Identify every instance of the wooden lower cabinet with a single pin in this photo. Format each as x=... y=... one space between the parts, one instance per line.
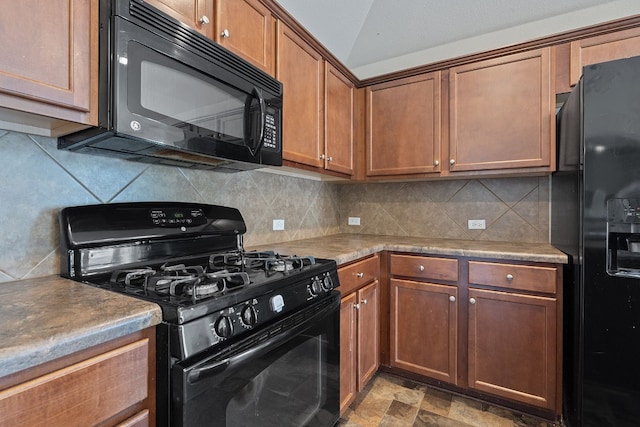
x=109 y=385
x=368 y=333
x=424 y=329
x=359 y=341
x=491 y=328
x=348 y=350
x=359 y=326
x=512 y=346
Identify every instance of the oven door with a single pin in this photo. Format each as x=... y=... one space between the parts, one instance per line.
x=287 y=374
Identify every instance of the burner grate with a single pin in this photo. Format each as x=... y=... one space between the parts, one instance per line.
x=181 y=281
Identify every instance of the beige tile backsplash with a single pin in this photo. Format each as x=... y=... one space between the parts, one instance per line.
x=36 y=180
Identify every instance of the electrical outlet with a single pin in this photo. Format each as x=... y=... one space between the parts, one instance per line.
x=278 y=224
x=354 y=220
x=477 y=224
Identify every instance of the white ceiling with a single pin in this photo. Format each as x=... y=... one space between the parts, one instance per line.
x=374 y=37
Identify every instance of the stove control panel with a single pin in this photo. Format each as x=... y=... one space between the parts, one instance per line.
x=240 y=318
x=177 y=217
x=320 y=284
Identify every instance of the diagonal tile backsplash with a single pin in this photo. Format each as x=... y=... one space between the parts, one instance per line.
x=36 y=180
x=514 y=209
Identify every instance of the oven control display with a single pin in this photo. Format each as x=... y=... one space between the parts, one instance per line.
x=177 y=217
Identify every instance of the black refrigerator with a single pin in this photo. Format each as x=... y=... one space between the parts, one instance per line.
x=595 y=219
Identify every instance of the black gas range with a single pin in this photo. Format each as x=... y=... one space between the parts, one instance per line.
x=220 y=303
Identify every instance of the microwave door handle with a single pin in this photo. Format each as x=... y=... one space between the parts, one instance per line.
x=255 y=94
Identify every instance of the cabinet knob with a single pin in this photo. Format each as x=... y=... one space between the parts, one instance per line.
x=472 y=300
x=509 y=277
x=360 y=275
x=225 y=34
x=452 y=162
x=322 y=156
x=330 y=158
x=204 y=20
x=436 y=163
x=421 y=268
x=452 y=298
x=356 y=306
x=364 y=301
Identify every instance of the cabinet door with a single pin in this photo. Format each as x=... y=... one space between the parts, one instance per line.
x=300 y=69
x=607 y=47
x=424 y=329
x=339 y=122
x=512 y=346
x=368 y=333
x=196 y=14
x=403 y=126
x=246 y=28
x=348 y=331
x=502 y=113
x=49 y=52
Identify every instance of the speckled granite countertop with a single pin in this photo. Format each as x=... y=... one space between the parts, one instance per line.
x=46 y=318
x=345 y=248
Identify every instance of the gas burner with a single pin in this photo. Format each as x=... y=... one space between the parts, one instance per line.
x=288 y=263
x=241 y=259
x=132 y=277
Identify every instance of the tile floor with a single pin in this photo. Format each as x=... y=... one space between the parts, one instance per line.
x=391 y=401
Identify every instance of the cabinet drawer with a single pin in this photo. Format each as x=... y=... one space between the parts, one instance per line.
x=512 y=276
x=357 y=274
x=431 y=268
x=86 y=393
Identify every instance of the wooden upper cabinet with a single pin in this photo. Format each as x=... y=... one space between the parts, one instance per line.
x=246 y=27
x=338 y=122
x=49 y=52
x=196 y=14
x=300 y=68
x=607 y=47
x=501 y=113
x=403 y=126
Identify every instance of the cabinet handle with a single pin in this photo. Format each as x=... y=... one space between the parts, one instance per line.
x=452 y=298
x=356 y=306
x=436 y=163
x=330 y=158
x=472 y=300
x=364 y=301
x=225 y=34
x=421 y=268
x=360 y=275
x=204 y=20
x=509 y=277
x=452 y=162
x=322 y=156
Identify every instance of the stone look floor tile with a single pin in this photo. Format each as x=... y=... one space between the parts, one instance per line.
x=390 y=401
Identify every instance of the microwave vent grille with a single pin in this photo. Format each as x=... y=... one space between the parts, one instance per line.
x=172 y=29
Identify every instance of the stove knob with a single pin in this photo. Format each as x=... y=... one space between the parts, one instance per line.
x=327 y=283
x=224 y=327
x=249 y=316
x=316 y=287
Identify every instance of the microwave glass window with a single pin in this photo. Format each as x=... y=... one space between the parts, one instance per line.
x=186 y=100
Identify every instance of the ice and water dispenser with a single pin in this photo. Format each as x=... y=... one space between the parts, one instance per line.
x=623 y=237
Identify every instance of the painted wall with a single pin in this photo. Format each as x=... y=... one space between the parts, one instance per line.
x=36 y=180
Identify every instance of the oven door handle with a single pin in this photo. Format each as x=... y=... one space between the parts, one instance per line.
x=200 y=373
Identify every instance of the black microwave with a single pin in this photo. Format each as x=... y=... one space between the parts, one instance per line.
x=169 y=95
